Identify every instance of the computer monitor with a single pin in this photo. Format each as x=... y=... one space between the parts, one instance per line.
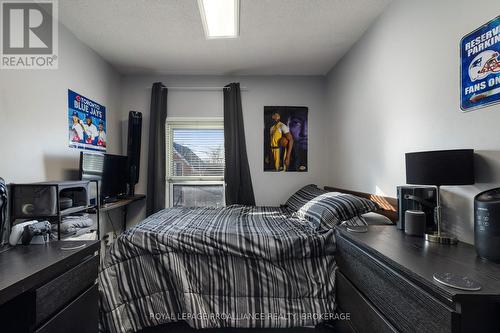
x=114 y=177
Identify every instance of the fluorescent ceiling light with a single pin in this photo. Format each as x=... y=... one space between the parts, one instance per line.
x=220 y=18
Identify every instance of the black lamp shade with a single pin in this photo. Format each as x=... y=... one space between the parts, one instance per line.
x=440 y=167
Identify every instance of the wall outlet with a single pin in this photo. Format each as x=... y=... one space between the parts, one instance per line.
x=109 y=238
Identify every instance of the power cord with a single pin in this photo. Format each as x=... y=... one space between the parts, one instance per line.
x=112 y=224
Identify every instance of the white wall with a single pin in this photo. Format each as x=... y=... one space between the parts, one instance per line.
x=34 y=115
x=269 y=188
x=34 y=108
x=397 y=90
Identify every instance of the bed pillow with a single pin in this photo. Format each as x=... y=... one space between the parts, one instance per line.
x=329 y=209
x=303 y=196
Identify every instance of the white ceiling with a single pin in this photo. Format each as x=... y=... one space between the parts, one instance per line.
x=277 y=37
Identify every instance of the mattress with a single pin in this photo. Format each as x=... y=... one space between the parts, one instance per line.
x=236 y=266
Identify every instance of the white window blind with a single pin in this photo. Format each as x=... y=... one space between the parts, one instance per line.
x=195 y=163
x=196 y=150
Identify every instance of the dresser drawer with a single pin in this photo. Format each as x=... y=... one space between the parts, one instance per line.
x=407 y=307
x=80 y=316
x=55 y=294
x=363 y=315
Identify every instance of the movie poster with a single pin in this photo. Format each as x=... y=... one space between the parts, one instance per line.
x=87 y=123
x=480 y=67
x=285 y=138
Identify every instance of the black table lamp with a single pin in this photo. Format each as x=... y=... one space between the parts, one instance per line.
x=440 y=167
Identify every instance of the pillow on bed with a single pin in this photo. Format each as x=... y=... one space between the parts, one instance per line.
x=332 y=208
x=303 y=196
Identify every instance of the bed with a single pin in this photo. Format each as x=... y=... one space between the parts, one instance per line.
x=237 y=266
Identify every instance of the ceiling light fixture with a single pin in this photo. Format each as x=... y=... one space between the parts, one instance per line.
x=220 y=18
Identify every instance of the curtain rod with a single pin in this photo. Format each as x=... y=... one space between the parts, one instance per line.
x=201 y=88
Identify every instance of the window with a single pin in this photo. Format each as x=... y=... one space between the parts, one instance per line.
x=195 y=163
x=178 y=168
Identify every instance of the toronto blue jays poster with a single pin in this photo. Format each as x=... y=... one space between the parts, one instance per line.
x=86 y=123
x=480 y=67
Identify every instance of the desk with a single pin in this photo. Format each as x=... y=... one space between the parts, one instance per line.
x=122 y=203
x=44 y=288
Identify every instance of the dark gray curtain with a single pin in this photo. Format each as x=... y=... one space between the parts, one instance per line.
x=239 y=188
x=155 y=200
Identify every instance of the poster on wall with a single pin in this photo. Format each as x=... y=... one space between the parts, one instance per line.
x=285 y=138
x=87 y=123
x=480 y=67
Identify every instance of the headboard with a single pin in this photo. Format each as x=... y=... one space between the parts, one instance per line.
x=388 y=205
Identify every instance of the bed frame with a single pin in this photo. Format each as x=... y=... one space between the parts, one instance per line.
x=388 y=205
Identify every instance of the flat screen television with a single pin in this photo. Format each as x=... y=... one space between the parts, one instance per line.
x=114 y=177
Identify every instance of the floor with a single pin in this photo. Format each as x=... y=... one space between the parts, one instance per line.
x=338 y=327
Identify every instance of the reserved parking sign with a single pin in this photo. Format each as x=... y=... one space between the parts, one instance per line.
x=480 y=67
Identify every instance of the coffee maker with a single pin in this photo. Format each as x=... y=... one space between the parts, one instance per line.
x=422 y=198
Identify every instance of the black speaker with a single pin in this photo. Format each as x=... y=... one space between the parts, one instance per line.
x=134 y=148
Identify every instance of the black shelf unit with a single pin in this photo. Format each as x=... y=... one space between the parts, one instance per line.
x=57 y=214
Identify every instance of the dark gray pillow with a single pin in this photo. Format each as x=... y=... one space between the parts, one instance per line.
x=332 y=208
x=303 y=196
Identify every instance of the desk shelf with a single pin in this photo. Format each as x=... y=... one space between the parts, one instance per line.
x=122 y=203
x=44 y=198
x=53 y=212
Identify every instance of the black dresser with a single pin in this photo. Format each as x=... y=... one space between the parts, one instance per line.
x=50 y=288
x=385 y=281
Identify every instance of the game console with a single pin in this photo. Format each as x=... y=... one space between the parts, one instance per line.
x=30 y=232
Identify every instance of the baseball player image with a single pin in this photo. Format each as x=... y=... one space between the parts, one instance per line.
x=101 y=137
x=91 y=132
x=76 y=129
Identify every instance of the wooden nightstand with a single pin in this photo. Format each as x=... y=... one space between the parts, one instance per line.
x=385 y=281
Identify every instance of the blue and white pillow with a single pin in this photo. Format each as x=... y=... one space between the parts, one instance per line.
x=303 y=196
x=329 y=209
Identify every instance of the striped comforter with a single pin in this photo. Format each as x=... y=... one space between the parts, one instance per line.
x=237 y=266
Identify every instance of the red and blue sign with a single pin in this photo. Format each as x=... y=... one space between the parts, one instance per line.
x=87 y=123
x=480 y=67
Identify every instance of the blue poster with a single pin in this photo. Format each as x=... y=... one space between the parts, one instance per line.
x=480 y=67
x=87 y=123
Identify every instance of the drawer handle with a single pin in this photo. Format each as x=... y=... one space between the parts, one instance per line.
x=73 y=247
